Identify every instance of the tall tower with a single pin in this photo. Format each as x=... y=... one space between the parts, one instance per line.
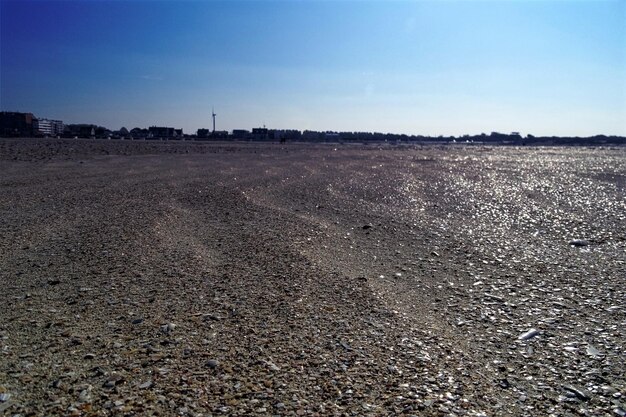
x=213 y=113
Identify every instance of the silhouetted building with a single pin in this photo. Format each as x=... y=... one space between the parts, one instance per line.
x=164 y=132
x=241 y=134
x=202 y=133
x=16 y=124
x=260 y=133
x=283 y=135
x=290 y=134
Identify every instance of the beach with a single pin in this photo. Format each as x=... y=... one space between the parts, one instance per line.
x=204 y=279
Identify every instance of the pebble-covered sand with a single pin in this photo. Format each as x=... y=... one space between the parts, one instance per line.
x=199 y=279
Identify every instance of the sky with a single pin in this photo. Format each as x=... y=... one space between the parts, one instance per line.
x=416 y=67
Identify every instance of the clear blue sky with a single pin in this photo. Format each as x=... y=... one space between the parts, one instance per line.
x=422 y=67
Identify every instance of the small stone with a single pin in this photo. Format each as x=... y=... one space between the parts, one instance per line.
x=212 y=363
x=137 y=321
x=84 y=396
x=146 y=385
x=579 y=242
x=4 y=397
x=367 y=226
x=89 y=356
x=53 y=281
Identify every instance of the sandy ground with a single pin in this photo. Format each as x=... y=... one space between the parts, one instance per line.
x=155 y=278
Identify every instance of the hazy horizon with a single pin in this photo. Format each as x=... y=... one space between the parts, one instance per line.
x=414 y=67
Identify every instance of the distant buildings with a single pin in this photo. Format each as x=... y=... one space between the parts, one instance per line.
x=16 y=124
x=27 y=125
x=47 y=127
x=205 y=134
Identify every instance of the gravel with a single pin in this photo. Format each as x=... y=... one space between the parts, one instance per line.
x=204 y=279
